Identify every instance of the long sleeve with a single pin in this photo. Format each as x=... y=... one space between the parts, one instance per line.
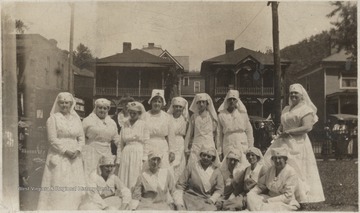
x=136 y=195
x=125 y=192
x=249 y=133
x=219 y=187
x=120 y=146
x=94 y=194
x=171 y=135
x=219 y=139
x=181 y=186
x=81 y=137
x=52 y=136
x=287 y=191
x=189 y=134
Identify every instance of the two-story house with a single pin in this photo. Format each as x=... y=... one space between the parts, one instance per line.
x=250 y=72
x=332 y=85
x=133 y=72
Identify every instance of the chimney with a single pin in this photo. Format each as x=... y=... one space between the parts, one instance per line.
x=126 y=46
x=229 y=45
x=151 y=45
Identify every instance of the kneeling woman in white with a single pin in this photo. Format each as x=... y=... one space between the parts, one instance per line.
x=154 y=187
x=275 y=190
x=105 y=190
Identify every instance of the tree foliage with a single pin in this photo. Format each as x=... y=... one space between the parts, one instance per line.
x=20 y=26
x=83 y=57
x=345 y=31
x=305 y=53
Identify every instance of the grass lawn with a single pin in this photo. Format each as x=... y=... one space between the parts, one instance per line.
x=340 y=183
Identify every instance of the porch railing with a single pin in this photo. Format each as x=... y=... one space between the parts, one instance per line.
x=111 y=91
x=247 y=90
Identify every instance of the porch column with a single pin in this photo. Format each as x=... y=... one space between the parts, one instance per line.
x=235 y=82
x=162 y=80
x=139 y=83
x=117 y=83
x=215 y=80
x=339 y=105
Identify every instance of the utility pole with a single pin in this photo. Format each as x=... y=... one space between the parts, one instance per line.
x=277 y=65
x=71 y=73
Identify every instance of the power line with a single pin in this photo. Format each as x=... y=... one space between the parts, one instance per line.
x=250 y=22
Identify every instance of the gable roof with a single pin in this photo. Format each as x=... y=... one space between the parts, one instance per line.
x=236 y=56
x=165 y=52
x=153 y=50
x=184 y=61
x=133 y=57
x=341 y=56
x=84 y=72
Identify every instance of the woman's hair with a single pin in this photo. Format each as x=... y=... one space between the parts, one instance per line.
x=284 y=157
x=156 y=98
x=212 y=159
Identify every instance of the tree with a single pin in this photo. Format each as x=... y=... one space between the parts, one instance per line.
x=20 y=26
x=345 y=31
x=83 y=57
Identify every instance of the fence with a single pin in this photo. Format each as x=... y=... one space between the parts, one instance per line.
x=333 y=144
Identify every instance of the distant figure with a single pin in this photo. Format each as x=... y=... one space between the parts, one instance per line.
x=64 y=169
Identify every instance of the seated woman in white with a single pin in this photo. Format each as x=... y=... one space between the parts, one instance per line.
x=245 y=180
x=154 y=187
x=105 y=191
x=275 y=190
x=202 y=184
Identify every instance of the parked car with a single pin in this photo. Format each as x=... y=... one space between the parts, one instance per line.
x=263 y=130
x=343 y=134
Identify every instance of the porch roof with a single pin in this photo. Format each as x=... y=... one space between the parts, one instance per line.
x=143 y=65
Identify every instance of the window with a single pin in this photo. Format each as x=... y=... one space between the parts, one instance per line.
x=186 y=81
x=196 y=86
x=348 y=81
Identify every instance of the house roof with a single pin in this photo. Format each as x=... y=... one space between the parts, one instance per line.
x=236 y=56
x=341 y=56
x=153 y=50
x=133 y=57
x=172 y=58
x=84 y=72
x=184 y=61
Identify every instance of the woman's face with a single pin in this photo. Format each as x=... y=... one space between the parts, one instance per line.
x=201 y=105
x=64 y=106
x=101 y=111
x=252 y=158
x=279 y=161
x=134 y=115
x=232 y=103
x=177 y=110
x=154 y=164
x=106 y=170
x=206 y=159
x=156 y=104
x=295 y=97
x=232 y=162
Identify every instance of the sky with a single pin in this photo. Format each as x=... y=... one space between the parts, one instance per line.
x=197 y=29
